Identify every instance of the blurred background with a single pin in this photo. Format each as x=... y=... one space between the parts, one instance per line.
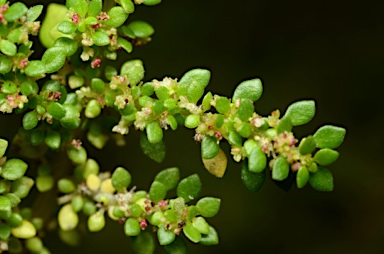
x=329 y=51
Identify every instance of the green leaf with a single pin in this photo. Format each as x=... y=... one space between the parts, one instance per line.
x=207 y=101
x=67 y=27
x=44 y=183
x=326 y=156
x=126 y=45
x=193 y=83
x=280 y=169
x=329 y=136
x=35 y=245
x=37 y=137
x=151 y=2
x=209 y=147
x=48 y=32
x=245 y=130
x=5 y=64
x=30 y=120
x=189 y=188
x=141 y=29
x=15 y=35
x=285 y=124
x=192 y=121
x=134 y=70
x=154 y=151
x=192 y=233
x=257 y=160
x=128 y=6
x=66 y=186
x=235 y=138
x=34 y=12
x=168 y=177
x=100 y=38
x=96 y=222
x=143 y=243
x=8 y=48
x=15 y=11
x=250 y=89
x=68 y=44
x=322 y=180
x=154 y=132
x=8 y=87
x=54 y=59
x=201 y=224
x=121 y=179
x=5 y=204
x=212 y=238
x=77 y=155
x=222 y=104
x=35 y=68
x=95 y=7
x=307 y=145
x=302 y=177
x=165 y=236
x=3 y=146
x=24 y=231
x=98 y=85
x=29 y=87
x=253 y=181
x=208 y=206
x=93 y=109
x=301 y=112
x=53 y=139
x=246 y=110
x=178 y=246
x=5 y=231
x=71 y=120
x=117 y=17
x=157 y=191
x=21 y=186
x=80 y=7
x=56 y=110
x=132 y=227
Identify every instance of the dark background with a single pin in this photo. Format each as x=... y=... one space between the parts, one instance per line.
x=329 y=51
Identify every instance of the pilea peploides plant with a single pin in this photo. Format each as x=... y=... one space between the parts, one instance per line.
x=75 y=94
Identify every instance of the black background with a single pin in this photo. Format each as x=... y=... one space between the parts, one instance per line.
x=329 y=51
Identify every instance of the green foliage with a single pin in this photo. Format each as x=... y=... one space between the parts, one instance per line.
x=74 y=91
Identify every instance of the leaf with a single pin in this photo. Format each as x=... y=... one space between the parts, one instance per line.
x=212 y=238
x=322 y=180
x=71 y=120
x=222 y=104
x=208 y=206
x=35 y=68
x=302 y=177
x=301 y=112
x=143 y=243
x=53 y=139
x=67 y=218
x=3 y=146
x=56 y=110
x=141 y=29
x=30 y=120
x=249 y=89
x=54 y=59
x=257 y=160
x=126 y=45
x=201 y=224
x=285 y=124
x=329 y=136
x=29 y=87
x=121 y=179
x=15 y=11
x=209 y=147
x=245 y=110
x=178 y=246
x=280 y=169
x=235 y=138
x=307 y=145
x=193 y=83
x=168 y=177
x=151 y=2
x=189 y=188
x=96 y=222
x=154 y=132
x=157 y=191
x=117 y=17
x=253 y=181
x=8 y=48
x=100 y=38
x=5 y=64
x=132 y=227
x=134 y=70
x=67 y=27
x=217 y=165
x=24 y=231
x=326 y=156
x=5 y=204
x=165 y=236
x=95 y=7
x=192 y=233
x=154 y=151
x=34 y=12
x=54 y=15
x=80 y=7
